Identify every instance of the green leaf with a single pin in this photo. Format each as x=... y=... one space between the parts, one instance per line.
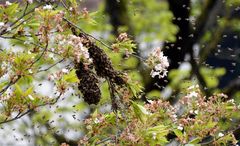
x=28 y=91
x=71 y=77
x=195 y=141
x=33 y=24
x=178 y=133
x=211 y=75
x=25 y=80
x=3 y=84
x=157 y=135
x=159 y=129
x=135 y=88
x=153 y=94
x=80 y=106
x=18 y=90
x=131 y=62
x=140 y=111
x=12 y=9
x=105 y=93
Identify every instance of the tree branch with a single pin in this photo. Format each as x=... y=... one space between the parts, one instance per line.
x=202 y=19
x=86 y=34
x=19 y=115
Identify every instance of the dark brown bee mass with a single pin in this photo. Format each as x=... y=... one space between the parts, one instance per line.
x=88 y=84
x=102 y=63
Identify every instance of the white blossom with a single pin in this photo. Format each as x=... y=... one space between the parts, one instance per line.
x=96 y=121
x=61 y=42
x=180 y=127
x=52 y=49
x=89 y=127
x=4 y=64
x=80 y=53
x=154 y=135
x=231 y=101
x=1 y=24
x=150 y=101
x=51 y=55
x=196 y=112
x=193 y=94
x=27 y=42
x=220 y=134
x=159 y=62
x=159 y=71
x=30 y=71
x=51 y=77
x=64 y=70
x=8 y=3
x=175 y=116
x=30 y=1
x=9 y=28
x=238 y=106
x=47 y=7
x=30 y=97
x=193 y=87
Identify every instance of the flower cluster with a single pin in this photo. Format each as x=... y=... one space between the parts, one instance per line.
x=124 y=44
x=80 y=53
x=128 y=133
x=169 y=110
x=193 y=117
x=58 y=75
x=122 y=37
x=79 y=50
x=159 y=62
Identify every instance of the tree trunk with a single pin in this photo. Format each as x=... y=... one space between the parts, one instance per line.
x=176 y=51
x=117 y=11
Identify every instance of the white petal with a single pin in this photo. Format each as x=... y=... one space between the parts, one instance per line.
x=30 y=97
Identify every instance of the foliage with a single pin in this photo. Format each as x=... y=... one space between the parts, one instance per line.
x=161 y=26
x=150 y=124
x=50 y=41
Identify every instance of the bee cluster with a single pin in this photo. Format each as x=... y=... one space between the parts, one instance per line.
x=88 y=84
x=101 y=67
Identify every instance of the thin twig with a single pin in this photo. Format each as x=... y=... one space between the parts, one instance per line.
x=15 y=118
x=29 y=110
x=21 y=23
x=46 y=69
x=19 y=76
x=64 y=5
x=25 y=14
x=104 y=140
x=20 y=18
x=9 y=85
x=14 y=38
x=41 y=55
x=86 y=34
x=139 y=57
